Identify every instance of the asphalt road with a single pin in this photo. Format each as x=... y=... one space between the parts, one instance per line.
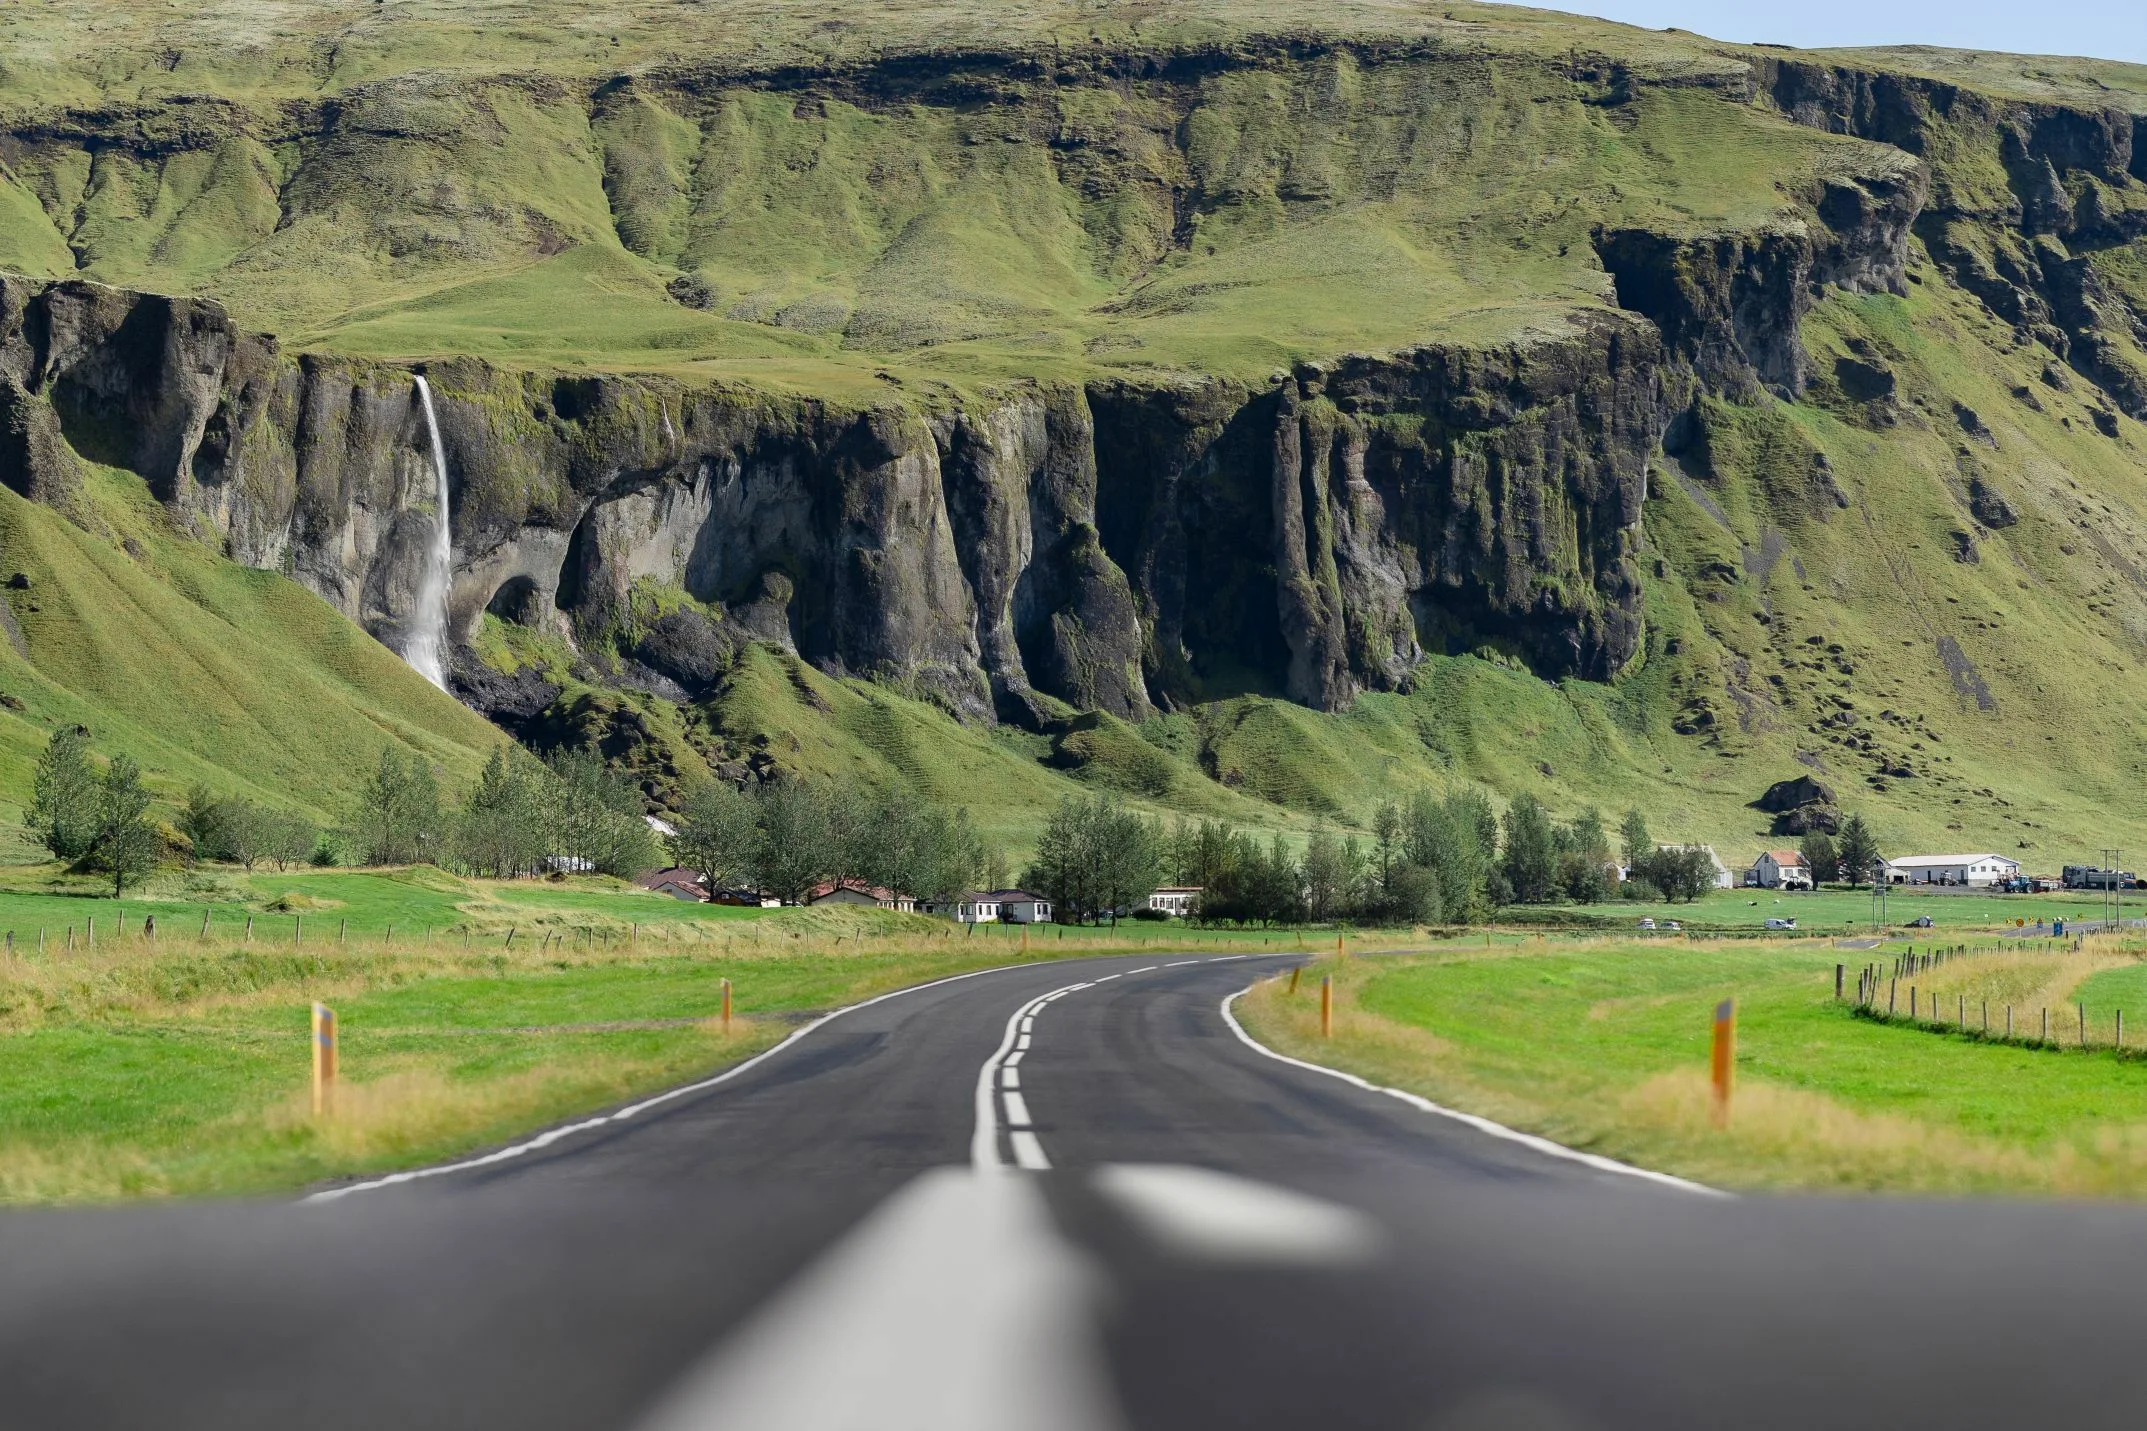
x=1067 y=1195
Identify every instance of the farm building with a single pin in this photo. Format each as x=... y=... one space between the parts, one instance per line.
x=1972 y=871
x=1781 y=869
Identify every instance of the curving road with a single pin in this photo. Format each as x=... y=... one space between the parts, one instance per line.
x=1067 y=1195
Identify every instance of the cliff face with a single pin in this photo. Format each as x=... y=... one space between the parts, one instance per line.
x=1112 y=547
x=2027 y=201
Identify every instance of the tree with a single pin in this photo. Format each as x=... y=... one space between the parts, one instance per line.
x=63 y=810
x=202 y=822
x=1324 y=876
x=1095 y=858
x=1820 y=857
x=600 y=816
x=288 y=838
x=1858 y=851
x=796 y=849
x=1633 y=835
x=1457 y=840
x=1530 y=860
x=398 y=814
x=1386 y=845
x=125 y=843
x=504 y=822
x=1683 y=873
x=718 y=834
x=1584 y=858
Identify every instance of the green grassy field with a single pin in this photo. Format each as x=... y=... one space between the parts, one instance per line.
x=1838 y=911
x=1603 y=1045
x=179 y=1066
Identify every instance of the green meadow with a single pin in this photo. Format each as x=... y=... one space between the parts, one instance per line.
x=1603 y=1045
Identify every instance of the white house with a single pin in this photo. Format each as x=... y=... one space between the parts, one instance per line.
x=1018 y=906
x=1781 y=869
x=971 y=908
x=1179 y=900
x=1974 y=871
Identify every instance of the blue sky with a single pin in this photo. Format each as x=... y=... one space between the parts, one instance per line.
x=2107 y=29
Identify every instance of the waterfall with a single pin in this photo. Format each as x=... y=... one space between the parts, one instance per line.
x=426 y=648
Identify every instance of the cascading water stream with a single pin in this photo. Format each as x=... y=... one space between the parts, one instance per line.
x=426 y=650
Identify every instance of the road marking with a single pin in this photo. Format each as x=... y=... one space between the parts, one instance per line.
x=1226 y=958
x=956 y=1305
x=1016 y=1057
x=1106 y=978
x=1482 y=1125
x=553 y=1135
x=1027 y=1024
x=1010 y=1077
x=984 y=1140
x=1017 y=1109
x=1215 y=1217
x=1028 y=1153
x=1181 y=963
x=1144 y=969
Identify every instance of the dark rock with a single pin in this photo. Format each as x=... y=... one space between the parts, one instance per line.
x=690 y=649
x=1793 y=794
x=1989 y=504
x=10 y=701
x=512 y=701
x=691 y=290
x=2105 y=421
x=20 y=581
x=1971 y=422
x=1808 y=819
x=1862 y=381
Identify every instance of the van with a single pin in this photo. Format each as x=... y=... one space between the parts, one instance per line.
x=1781 y=924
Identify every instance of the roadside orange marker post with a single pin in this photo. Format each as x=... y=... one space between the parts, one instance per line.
x=1339 y=951
x=1295 y=970
x=726 y=1006
x=323 y=1059
x=1725 y=1058
x=1326 y=1006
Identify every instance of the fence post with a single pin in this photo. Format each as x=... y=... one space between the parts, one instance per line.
x=1295 y=970
x=204 y=924
x=726 y=1007
x=324 y=1059
x=2082 y=1009
x=1724 y=1058
x=1326 y=1006
x=1839 y=970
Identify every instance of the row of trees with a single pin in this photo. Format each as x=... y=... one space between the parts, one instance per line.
x=788 y=836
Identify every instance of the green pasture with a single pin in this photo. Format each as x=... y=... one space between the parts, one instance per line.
x=1604 y=1045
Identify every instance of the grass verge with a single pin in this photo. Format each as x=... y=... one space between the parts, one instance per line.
x=1603 y=1045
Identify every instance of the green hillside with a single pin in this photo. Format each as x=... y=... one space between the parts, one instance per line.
x=201 y=669
x=1918 y=572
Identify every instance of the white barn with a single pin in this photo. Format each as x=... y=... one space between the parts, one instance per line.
x=1972 y=871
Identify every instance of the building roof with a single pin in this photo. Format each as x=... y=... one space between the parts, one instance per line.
x=677 y=874
x=1180 y=888
x=827 y=887
x=1014 y=896
x=1923 y=861
x=1788 y=859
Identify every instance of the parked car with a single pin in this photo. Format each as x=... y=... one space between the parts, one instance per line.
x=1673 y=926
x=1921 y=921
x=1647 y=924
x=1781 y=923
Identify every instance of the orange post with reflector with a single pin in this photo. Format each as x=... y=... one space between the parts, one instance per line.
x=1339 y=951
x=726 y=1006
x=323 y=1060
x=1295 y=970
x=1725 y=1058
x=1326 y=1006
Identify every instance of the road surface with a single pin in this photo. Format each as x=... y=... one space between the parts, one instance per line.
x=1072 y=1197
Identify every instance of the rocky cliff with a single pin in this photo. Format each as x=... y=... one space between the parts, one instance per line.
x=1110 y=547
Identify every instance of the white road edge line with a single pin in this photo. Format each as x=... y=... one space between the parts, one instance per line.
x=546 y=1139
x=984 y=1141
x=1481 y=1125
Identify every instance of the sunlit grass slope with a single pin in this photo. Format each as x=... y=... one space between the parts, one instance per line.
x=201 y=669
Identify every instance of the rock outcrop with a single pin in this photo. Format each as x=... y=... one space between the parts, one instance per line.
x=1110 y=547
